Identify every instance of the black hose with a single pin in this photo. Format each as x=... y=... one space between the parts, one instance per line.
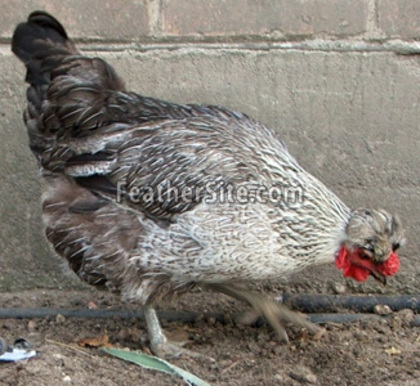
x=29 y=313
x=348 y=318
x=319 y=308
x=359 y=303
x=186 y=317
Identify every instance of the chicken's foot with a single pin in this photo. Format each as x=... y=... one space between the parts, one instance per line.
x=269 y=309
x=159 y=343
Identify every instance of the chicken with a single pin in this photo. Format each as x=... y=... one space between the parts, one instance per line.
x=149 y=199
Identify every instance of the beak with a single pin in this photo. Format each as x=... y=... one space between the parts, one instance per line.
x=379 y=277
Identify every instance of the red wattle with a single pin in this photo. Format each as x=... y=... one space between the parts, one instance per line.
x=350 y=270
x=356 y=272
x=390 y=266
x=387 y=268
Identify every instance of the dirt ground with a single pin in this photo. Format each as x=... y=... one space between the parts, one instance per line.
x=383 y=352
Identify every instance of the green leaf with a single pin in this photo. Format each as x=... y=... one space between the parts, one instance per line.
x=155 y=363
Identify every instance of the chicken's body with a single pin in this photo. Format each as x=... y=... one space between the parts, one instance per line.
x=150 y=198
x=210 y=238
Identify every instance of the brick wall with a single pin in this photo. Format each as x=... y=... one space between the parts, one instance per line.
x=224 y=20
x=338 y=79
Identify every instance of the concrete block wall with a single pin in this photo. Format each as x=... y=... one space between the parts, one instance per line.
x=338 y=79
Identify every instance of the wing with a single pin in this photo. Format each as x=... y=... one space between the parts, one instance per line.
x=168 y=167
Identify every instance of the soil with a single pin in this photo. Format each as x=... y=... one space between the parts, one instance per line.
x=383 y=352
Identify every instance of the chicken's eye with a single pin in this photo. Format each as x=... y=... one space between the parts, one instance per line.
x=363 y=255
x=369 y=246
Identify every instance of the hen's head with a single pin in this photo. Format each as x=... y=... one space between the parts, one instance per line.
x=372 y=239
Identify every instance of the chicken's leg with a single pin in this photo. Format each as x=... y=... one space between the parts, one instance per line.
x=159 y=343
x=269 y=309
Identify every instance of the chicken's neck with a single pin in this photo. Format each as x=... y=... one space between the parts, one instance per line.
x=319 y=223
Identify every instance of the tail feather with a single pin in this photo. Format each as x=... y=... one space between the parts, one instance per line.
x=67 y=90
x=41 y=43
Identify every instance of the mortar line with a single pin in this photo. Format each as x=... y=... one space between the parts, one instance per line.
x=155 y=17
x=396 y=46
x=372 y=23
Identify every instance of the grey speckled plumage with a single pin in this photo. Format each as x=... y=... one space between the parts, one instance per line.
x=96 y=142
